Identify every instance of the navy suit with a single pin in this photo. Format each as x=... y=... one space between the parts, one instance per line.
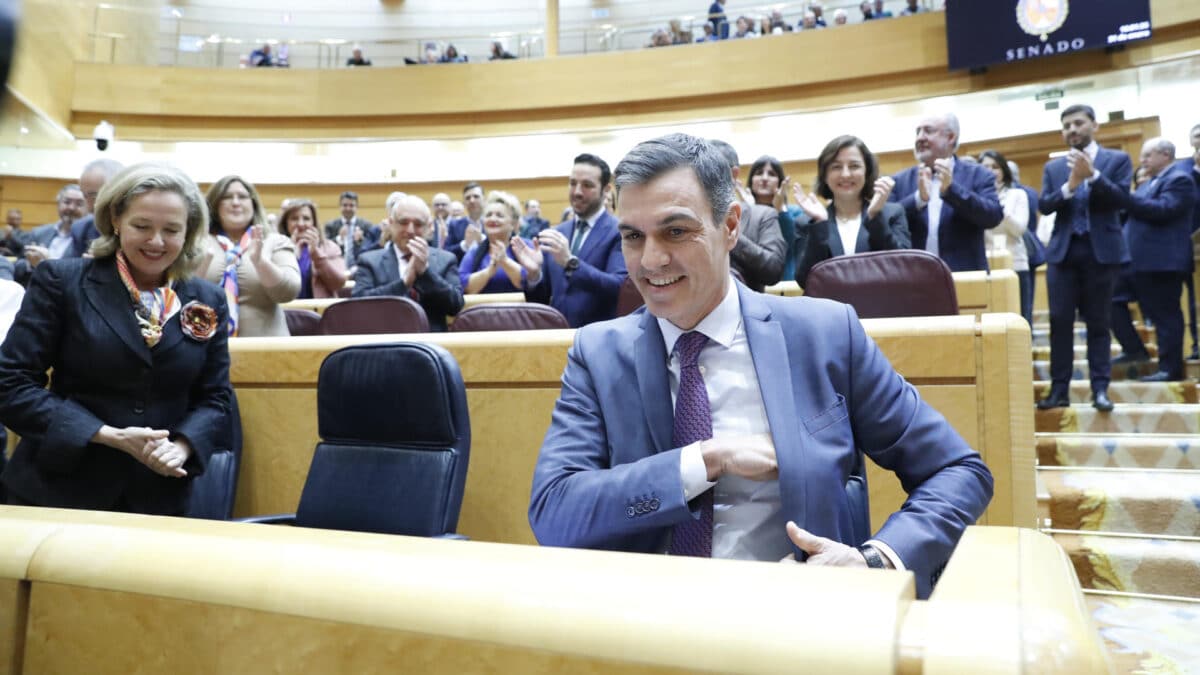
x=456 y=229
x=438 y=289
x=1160 y=249
x=590 y=293
x=969 y=207
x=83 y=233
x=76 y=319
x=42 y=235
x=1188 y=167
x=1082 y=268
x=887 y=231
x=370 y=239
x=827 y=391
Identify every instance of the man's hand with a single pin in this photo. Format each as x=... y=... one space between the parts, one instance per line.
x=555 y=244
x=35 y=254
x=751 y=457
x=941 y=169
x=1081 y=168
x=924 y=183
x=529 y=258
x=822 y=551
x=883 y=190
x=473 y=235
x=358 y=235
x=418 y=261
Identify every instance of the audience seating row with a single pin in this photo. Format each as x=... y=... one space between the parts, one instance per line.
x=318 y=601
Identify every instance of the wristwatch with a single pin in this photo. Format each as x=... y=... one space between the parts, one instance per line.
x=874 y=559
x=572 y=265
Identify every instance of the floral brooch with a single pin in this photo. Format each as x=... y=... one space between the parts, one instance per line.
x=198 y=321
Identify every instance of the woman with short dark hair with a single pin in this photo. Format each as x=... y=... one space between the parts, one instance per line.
x=1012 y=229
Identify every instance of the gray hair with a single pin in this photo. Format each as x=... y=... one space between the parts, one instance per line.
x=107 y=167
x=137 y=180
x=409 y=200
x=391 y=201
x=1161 y=144
x=951 y=122
x=65 y=189
x=650 y=159
x=726 y=150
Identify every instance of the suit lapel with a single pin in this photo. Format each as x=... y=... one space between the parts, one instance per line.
x=650 y=356
x=595 y=236
x=390 y=267
x=110 y=299
x=863 y=242
x=769 y=349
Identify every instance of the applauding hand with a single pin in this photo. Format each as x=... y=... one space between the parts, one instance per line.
x=810 y=205
x=883 y=190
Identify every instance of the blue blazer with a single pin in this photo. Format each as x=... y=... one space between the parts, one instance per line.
x=456 y=229
x=828 y=393
x=76 y=319
x=969 y=207
x=439 y=291
x=1107 y=194
x=43 y=235
x=1188 y=168
x=83 y=233
x=1159 y=226
x=590 y=294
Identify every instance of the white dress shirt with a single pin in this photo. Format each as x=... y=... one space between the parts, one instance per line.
x=60 y=244
x=1092 y=150
x=748 y=521
x=848 y=232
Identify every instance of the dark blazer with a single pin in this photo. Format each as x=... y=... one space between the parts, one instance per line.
x=456 y=229
x=42 y=235
x=761 y=250
x=370 y=239
x=438 y=290
x=83 y=233
x=887 y=231
x=969 y=207
x=1159 y=228
x=6 y=272
x=828 y=392
x=1188 y=167
x=590 y=294
x=76 y=319
x=1106 y=195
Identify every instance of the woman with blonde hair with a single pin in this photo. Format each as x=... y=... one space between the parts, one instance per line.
x=140 y=397
x=257 y=268
x=491 y=267
x=322 y=268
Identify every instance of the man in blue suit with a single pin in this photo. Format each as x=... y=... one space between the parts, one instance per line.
x=464 y=233
x=52 y=240
x=774 y=397
x=949 y=204
x=1190 y=166
x=1086 y=190
x=1159 y=236
x=578 y=269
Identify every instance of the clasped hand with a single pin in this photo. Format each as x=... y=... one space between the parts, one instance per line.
x=151 y=447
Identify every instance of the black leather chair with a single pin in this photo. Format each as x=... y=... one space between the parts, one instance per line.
x=860 y=502
x=906 y=282
x=508 y=316
x=302 y=322
x=374 y=315
x=395 y=443
x=214 y=491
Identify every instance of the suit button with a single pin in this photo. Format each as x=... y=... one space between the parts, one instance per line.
x=629 y=511
x=641 y=507
x=653 y=504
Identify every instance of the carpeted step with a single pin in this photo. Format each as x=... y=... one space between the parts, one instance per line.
x=1043 y=353
x=1128 y=391
x=1079 y=370
x=1148 y=635
x=1127 y=418
x=1130 y=501
x=1156 y=566
x=1041 y=334
x=1131 y=451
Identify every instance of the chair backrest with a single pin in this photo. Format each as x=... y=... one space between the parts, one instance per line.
x=628 y=298
x=370 y=316
x=858 y=497
x=213 y=492
x=508 y=316
x=395 y=442
x=906 y=282
x=302 y=322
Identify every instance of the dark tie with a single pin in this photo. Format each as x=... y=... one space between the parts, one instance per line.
x=1079 y=209
x=693 y=422
x=581 y=227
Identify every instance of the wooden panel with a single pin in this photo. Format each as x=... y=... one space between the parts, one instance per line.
x=14 y=605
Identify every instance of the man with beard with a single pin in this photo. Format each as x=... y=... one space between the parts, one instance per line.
x=52 y=240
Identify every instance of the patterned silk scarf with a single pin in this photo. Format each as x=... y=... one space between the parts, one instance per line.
x=229 y=279
x=152 y=309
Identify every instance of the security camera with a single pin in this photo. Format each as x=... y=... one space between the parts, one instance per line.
x=103 y=134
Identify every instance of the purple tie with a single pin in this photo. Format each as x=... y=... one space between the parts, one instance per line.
x=693 y=422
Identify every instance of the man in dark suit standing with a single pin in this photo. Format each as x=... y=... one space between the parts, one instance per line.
x=408 y=266
x=1085 y=189
x=1159 y=235
x=578 y=268
x=1190 y=166
x=949 y=204
x=355 y=235
x=465 y=232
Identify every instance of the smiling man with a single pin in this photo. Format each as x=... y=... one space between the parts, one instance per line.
x=720 y=422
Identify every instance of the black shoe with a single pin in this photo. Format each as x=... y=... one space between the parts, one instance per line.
x=1124 y=358
x=1160 y=376
x=1101 y=402
x=1054 y=400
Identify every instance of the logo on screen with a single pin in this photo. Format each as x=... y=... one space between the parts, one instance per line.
x=1041 y=17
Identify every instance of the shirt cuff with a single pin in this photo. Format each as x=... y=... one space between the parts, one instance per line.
x=921 y=203
x=1067 y=192
x=887 y=551
x=692 y=472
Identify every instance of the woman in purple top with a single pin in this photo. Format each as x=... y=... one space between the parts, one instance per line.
x=490 y=267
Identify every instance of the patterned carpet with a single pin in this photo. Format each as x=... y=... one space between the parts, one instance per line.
x=1125 y=391
x=1149 y=635
x=1132 y=418
x=1121 y=500
x=1142 y=451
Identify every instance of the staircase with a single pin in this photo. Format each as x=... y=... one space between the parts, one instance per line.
x=1120 y=492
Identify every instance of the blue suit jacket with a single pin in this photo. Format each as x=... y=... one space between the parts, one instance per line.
x=439 y=291
x=1159 y=227
x=42 y=235
x=76 y=319
x=590 y=294
x=83 y=233
x=1107 y=195
x=1188 y=168
x=827 y=390
x=456 y=229
x=969 y=207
